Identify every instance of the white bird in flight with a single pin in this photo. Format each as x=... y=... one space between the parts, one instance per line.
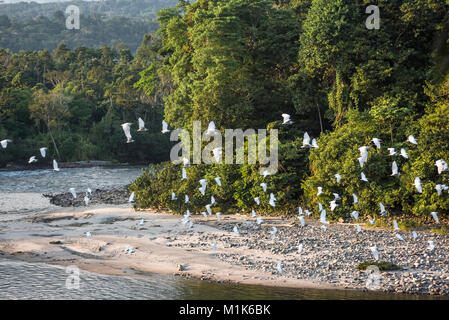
x=141 y=125
x=359 y=228
x=395 y=225
x=372 y=221
x=203 y=183
x=404 y=153
x=333 y=205
x=363 y=177
x=336 y=196
x=5 y=142
x=212 y=200
x=441 y=165
x=383 y=212
x=306 y=141
x=257 y=200
x=286 y=119
x=55 y=165
x=417 y=184
x=392 y=152
x=73 y=192
x=394 y=169
x=164 y=127
x=300 y=212
x=43 y=152
x=323 y=217
x=127 y=130
x=412 y=140
x=435 y=217
x=355 y=198
x=338 y=177
x=315 y=144
x=217 y=154
x=376 y=141
x=32 y=159
x=355 y=215
x=208 y=209
x=131 y=197
x=439 y=189
x=272 y=201
x=264 y=186
x=363 y=155
x=218 y=181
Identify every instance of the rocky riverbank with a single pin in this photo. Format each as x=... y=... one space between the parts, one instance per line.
x=98 y=196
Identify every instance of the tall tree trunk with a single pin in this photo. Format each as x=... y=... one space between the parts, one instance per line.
x=319 y=115
x=54 y=142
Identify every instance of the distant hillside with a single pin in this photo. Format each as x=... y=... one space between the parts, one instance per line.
x=33 y=26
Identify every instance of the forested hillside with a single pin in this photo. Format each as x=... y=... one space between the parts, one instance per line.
x=32 y=26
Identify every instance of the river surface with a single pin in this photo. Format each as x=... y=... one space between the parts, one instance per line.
x=21 y=195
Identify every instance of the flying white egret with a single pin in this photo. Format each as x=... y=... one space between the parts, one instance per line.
x=5 y=142
x=127 y=130
x=359 y=228
x=431 y=245
x=203 y=183
x=320 y=191
x=279 y=267
x=355 y=198
x=204 y=214
x=395 y=225
x=86 y=200
x=211 y=130
x=208 y=209
x=43 y=152
x=392 y=152
x=435 y=217
x=212 y=200
x=272 y=201
x=382 y=209
x=73 y=192
x=372 y=221
x=439 y=189
x=32 y=159
x=320 y=207
x=363 y=155
x=264 y=186
x=363 y=177
x=218 y=216
x=187 y=200
x=417 y=184
x=376 y=141
x=236 y=230
x=257 y=200
x=315 y=144
x=355 y=215
x=141 y=125
x=414 y=235
x=306 y=141
x=164 y=127
x=217 y=154
x=441 y=165
x=131 y=197
x=88 y=234
x=173 y=197
x=274 y=232
x=333 y=205
x=336 y=196
x=404 y=153
x=302 y=221
x=375 y=252
x=412 y=140
x=300 y=247
x=286 y=119
x=338 y=177
x=394 y=169
x=218 y=181
x=253 y=213
x=399 y=237
x=184 y=174
x=55 y=165
x=259 y=220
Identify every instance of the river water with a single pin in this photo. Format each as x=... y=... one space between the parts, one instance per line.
x=21 y=195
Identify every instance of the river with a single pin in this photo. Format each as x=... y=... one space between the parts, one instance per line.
x=21 y=196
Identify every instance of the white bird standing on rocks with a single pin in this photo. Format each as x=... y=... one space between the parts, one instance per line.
x=43 y=152
x=412 y=140
x=204 y=214
x=302 y=221
x=414 y=235
x=259 y=220
x=86 y=200
x=129 y=250
x=165 y=127
x=323 y=217
x=73 y=192
x=5 y=142
x=218 y=181
x=286 y=119
x=141 y=125
x=127 y=130
x=88 y=235
x=274 y=232
x=89 y=190
x=399 y=237
x=363 y=177
x=214 y=246
x=417 y=184
x=300 y=212
x=431 y=245
x=338 y=177
x=375 y=252
x=441 y=165
x=404 y=153
x=359 y=228
x=55 y=166
x=300 y=247
x=236 y=230
x=279 y=267
x=435 y=217
x=253 y=213
x=32 y=159
x=142 y=222
x=376 y=141
x=131 y=197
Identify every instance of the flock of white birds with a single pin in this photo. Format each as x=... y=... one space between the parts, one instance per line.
x=441 y=165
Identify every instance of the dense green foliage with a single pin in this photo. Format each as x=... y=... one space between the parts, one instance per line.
x=32 y=26
x=242 y=64
x=79 y=98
